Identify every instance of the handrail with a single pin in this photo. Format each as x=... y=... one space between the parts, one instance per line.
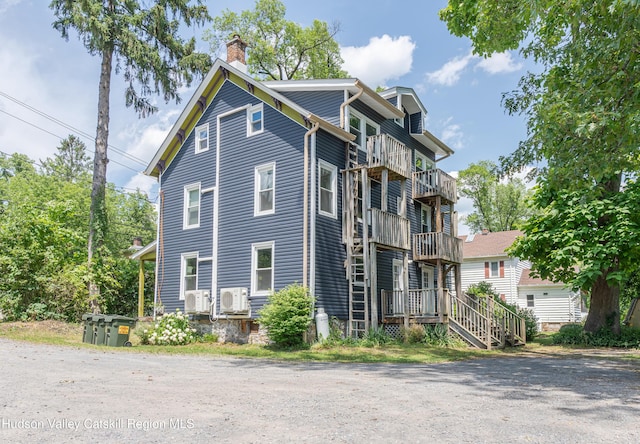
x=434 y=182
x=422 y=302
x=388 y=152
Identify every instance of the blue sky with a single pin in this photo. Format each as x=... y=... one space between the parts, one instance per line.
x=383 y=42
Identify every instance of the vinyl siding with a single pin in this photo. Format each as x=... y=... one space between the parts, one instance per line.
x=331 y=285
x=553 y=303
x=282 y=143
x=324 y=104
x=472 y=272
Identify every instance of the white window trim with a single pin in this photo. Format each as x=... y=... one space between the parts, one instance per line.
x=256 y=189
x=197 y=138
x=334 y=188
x=254 y=267
x=185 y=211
x=250 y=111
x=363 y=127
x=497 y=273
x=183 y=270
x=533 y=300
x=400 y=120
x=429 y=164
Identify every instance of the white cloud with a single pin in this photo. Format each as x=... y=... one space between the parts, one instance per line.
x=6 y=4
x=384 y=58
x=452 y=134
x=499 y=63
x=451 y=71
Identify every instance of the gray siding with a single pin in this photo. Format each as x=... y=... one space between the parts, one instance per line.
x=282 y=143
x=324 y=104
x=331 y=286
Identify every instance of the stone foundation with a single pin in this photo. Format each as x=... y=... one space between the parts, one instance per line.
x=238 y=331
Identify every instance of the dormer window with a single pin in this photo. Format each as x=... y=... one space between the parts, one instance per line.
x=202 y=138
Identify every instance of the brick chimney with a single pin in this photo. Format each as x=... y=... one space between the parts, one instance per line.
x=236 y=53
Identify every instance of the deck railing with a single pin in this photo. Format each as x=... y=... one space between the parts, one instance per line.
x=390 y=229
x=489 y=322
x=437 y=245
x=435 y=182
x=422 y=302
x=386 y=152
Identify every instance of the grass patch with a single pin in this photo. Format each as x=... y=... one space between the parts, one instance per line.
x=66 y=334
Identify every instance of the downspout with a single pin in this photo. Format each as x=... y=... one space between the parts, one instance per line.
x=159 y=246
x=347 y=102
x=305 y=207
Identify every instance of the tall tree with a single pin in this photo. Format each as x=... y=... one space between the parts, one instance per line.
x=280 y=49
x=583 y=125
x=143 y=44
x=498 y=205
x=71 y=162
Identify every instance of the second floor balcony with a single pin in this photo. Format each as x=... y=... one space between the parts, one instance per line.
x=390 y=230
x=385 y=152
x=432 y=183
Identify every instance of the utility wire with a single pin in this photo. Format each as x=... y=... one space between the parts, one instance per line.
x=62 y=138
x=69 y=127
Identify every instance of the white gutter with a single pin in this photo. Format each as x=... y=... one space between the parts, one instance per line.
x=305 y=208
x=348 y=102
x=158 y=243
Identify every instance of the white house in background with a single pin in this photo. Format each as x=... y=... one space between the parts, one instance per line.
x=485 y=259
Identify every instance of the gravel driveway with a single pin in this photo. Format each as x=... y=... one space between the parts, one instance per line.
x=67 y=394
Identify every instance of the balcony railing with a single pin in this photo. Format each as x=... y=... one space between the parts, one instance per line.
x=421 y=302
x=385 y=152
x=437 y=245
x=390 y=230
x=432 y=183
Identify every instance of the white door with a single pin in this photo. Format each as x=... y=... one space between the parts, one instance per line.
x=398 y=286
x=429 y=292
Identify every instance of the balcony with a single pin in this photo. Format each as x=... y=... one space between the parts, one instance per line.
x=386 y=153
x=430 y=247
x=390 y=230
x=433 y=183
x=423 y=302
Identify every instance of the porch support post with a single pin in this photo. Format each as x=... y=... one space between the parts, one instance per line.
x=141 y=289
x=405 y=287
x=374 y=285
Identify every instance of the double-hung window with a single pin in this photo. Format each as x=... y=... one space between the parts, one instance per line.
x=202 y=138
x=255 y=119
x=189 y=272
x=265 y=187
x=328 y=178
x=191 y=206
x=262 y=260
x=531 y=301
x=361 y=127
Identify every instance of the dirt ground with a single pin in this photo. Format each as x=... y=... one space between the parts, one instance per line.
x=68 y=394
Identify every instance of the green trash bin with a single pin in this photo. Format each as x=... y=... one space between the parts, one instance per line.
x=87 y=320
x=98 y=325
x=117 y=330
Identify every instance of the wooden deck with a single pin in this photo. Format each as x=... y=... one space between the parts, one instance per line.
x=386 y=153
x=437 y=245
x=433 y=183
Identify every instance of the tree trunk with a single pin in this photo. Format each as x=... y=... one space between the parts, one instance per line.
x=604 y=311
x=98 y=213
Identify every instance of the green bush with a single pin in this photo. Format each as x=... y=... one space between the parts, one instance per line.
x=574 y=334
x=170 y=329
x=413 y=335
x=287 y=315
x=376 y=337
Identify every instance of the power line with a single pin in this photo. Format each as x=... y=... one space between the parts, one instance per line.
x=69 y=127
x=62 y=138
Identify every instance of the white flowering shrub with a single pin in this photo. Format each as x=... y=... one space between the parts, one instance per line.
x=170 y=329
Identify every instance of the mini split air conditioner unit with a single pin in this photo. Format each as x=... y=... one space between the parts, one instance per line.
x=234 y=300
x=196 y=301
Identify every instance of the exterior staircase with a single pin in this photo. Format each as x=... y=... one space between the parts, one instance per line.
x=485 y=324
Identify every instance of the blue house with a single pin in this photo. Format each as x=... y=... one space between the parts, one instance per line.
x=326 y=183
